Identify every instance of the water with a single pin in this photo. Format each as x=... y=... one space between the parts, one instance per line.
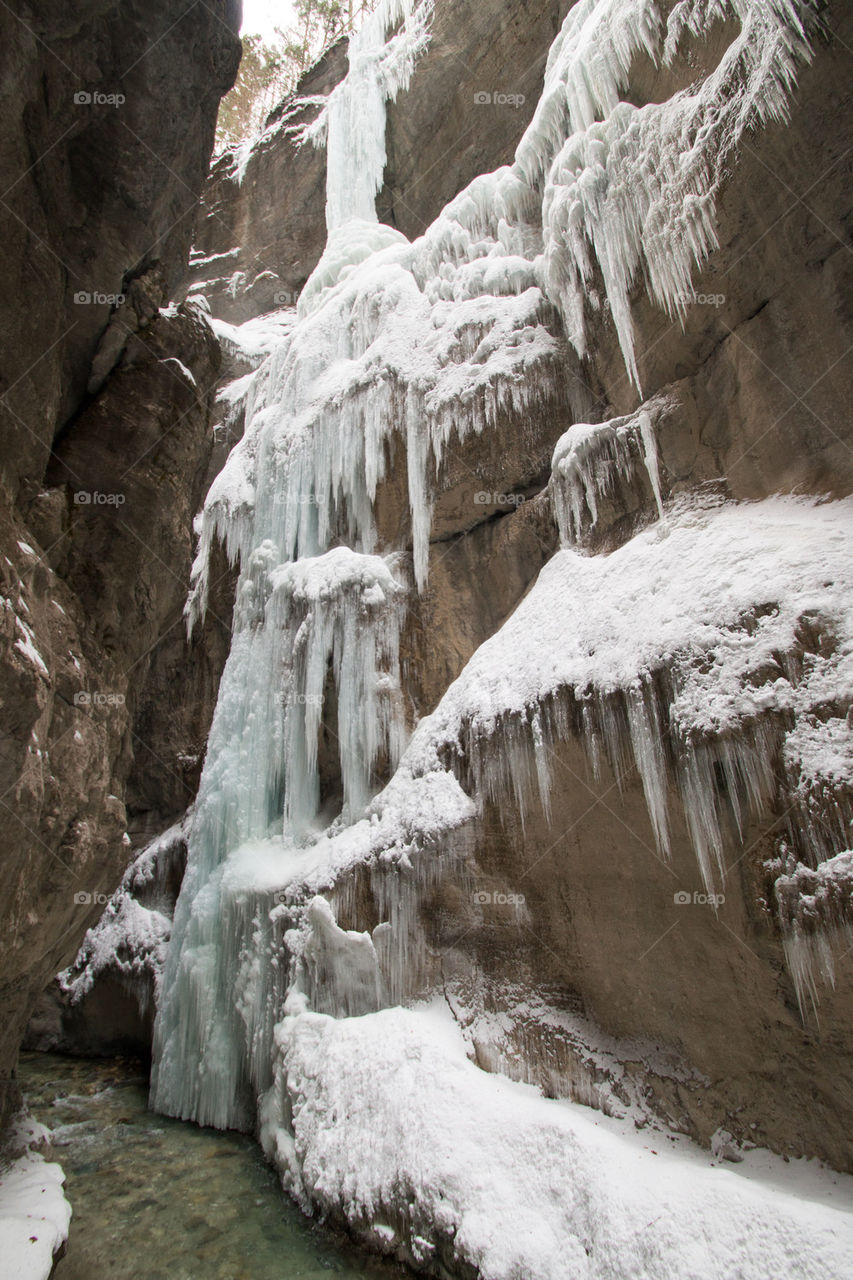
x=157 y=1199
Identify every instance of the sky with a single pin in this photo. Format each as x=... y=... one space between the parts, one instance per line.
x=261 y=17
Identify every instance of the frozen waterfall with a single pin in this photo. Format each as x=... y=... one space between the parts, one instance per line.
x=410 y=346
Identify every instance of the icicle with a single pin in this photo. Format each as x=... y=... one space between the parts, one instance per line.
x=589 y=461
x=647 y=743
x=814 y=909
x=650 y=457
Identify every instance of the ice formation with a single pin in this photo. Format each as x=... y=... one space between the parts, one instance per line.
x=630 y=192
x=131 y=938
x=435 y=339
x=352 y=119
x=657 y=655
x=321 y=631
x=676 y=654
x=814 y=906
x=384 y=1123
x=590 y=460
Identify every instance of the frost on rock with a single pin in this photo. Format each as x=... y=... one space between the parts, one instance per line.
x=682 y=655
x=383 y=1123
x=590 y=461
x=131 y=938
x=813 y=887
x=815 y=907
x=511 y=1028
x=255 y=339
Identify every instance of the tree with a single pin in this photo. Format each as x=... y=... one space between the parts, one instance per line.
x=264 y=72
x=269 y=71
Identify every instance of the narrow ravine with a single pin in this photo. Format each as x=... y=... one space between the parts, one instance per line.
x=158 y=1199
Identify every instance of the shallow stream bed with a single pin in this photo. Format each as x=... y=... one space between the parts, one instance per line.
x=158 y=1199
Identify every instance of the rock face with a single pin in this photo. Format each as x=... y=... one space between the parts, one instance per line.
x=556 y=925
x=264 y=229
x=751 y=388
x=562 y=910
x=106 y=413
x=104 y=1005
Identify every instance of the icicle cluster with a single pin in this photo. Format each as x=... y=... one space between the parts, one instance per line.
x=813 y=876
x=435 y=339
x=631 y=191
x=588 y=462
x=679 y=656
x=815 y=909
x=324 y=629
x=426 y=342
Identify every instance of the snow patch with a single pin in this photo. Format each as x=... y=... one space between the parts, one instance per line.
x=34 y=1213
x=382 y=1119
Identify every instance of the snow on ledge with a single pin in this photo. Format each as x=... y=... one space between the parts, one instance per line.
x=426 y=1156
x=34 y=1213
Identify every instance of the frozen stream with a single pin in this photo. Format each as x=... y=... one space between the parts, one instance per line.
x=158 y=1199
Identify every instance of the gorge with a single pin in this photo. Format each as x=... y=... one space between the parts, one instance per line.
x=428 y=674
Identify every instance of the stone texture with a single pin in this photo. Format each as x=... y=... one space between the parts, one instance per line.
x=104 y=399
x=698 y=1006
x=274 y=220
x=96 y=194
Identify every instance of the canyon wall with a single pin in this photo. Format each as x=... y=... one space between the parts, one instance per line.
x=629 y=883
x=664 y=923
x=106 y=410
